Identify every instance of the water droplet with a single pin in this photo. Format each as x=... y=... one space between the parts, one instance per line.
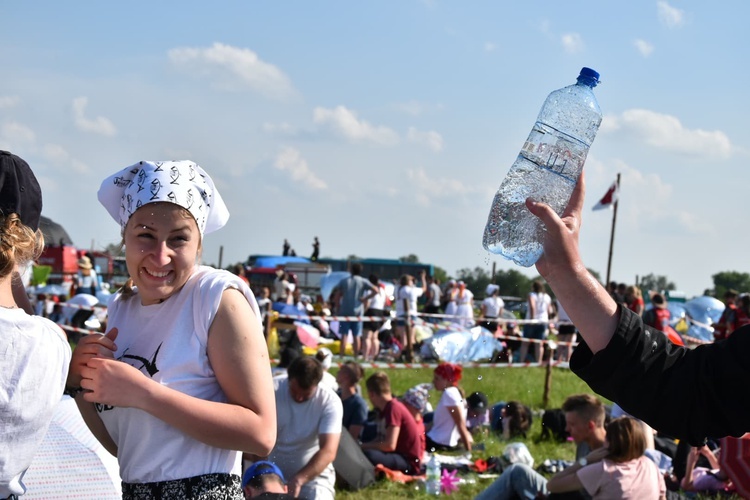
x=479 y=377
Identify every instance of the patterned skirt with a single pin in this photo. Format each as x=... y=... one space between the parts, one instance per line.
x=218 y=486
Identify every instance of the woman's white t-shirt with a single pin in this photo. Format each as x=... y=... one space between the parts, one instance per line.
x=444 y=429
x=168 y=343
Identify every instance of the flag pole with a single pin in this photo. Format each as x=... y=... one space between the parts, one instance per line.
x=612 y=235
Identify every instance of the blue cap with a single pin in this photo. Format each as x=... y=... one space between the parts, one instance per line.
x=260 y=468
x=589 y=77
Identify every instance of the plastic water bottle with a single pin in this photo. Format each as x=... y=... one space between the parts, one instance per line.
x=547 y=169
x=433 y=476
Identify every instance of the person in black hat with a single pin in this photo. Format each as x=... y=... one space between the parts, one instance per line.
x=477 y=413
x=36 y=350
x=20 y=194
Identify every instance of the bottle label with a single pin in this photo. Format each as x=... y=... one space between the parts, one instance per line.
x=555 y=151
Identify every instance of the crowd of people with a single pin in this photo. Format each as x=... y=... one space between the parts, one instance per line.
x=183 y=363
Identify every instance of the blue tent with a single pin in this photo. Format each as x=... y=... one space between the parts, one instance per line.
x=273 y=261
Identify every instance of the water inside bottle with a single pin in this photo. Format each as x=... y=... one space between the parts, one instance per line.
x=514 y=232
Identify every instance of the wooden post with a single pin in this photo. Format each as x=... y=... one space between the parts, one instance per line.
x=548 y=379
x=221 y=255
x=612 y=234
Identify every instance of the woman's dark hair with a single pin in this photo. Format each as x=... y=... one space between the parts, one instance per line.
x=626 y=439
x=354 y=371
x=520 y=418
x=306 y=370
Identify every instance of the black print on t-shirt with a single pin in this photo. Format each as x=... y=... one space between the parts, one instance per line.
x=149 y=367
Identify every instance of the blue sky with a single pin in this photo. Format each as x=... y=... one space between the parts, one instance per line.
x=384 y=128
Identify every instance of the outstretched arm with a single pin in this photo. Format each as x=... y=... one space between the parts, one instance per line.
x=585 y=300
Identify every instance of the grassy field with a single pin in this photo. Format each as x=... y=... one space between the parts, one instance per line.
x=525 y=384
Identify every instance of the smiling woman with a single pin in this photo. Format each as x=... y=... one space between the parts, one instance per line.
x=190 y=367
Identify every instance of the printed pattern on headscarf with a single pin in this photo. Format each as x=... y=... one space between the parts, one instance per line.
x=183 y=183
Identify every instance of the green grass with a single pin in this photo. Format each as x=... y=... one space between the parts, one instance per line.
x=525 y=384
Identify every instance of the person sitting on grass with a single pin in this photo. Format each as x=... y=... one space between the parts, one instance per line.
x=618 y=470
x=449 y=421
x=584 y=420
x=355 y=406
x=402 y=447
x=478 y=413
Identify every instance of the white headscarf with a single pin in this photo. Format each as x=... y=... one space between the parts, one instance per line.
x=183 y=183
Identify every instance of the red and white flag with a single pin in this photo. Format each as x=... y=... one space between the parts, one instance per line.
x=609 y=199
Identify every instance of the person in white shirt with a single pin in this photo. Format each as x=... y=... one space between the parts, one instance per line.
x=406 y=310
x=492 y=307
x=181 y=383
x=309 y=419
x=449 y=422
x=35 y=351
x=539 y=307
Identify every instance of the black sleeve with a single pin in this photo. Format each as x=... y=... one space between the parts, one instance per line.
x=686 y=393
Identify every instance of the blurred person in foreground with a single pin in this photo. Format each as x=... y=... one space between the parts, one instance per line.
x=181 y=383
x=35 y=351
x=264 y=479
x=633 y=364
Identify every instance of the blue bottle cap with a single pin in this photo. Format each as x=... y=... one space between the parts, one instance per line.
x=588 y=77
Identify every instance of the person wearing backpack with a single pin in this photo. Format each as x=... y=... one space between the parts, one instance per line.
x=658 y=316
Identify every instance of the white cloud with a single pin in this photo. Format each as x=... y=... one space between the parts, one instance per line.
x=345 y=122
x=234 y=68
x=572 y=42
x=426 y=188
x=14 y=132
x=99 y=125
x=289 y=160
x=646 y=199
x=490 y=47
x=671 y=17
x=668 y=133
x=643 y=47
x=59 y=157
x=414 y=108
x=9 y=101
x=431 y=138
x=283 y=128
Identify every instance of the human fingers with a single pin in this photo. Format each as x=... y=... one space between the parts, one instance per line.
x=106 y=341
x=89 y=347
x=112 y=334
x=575 y=204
